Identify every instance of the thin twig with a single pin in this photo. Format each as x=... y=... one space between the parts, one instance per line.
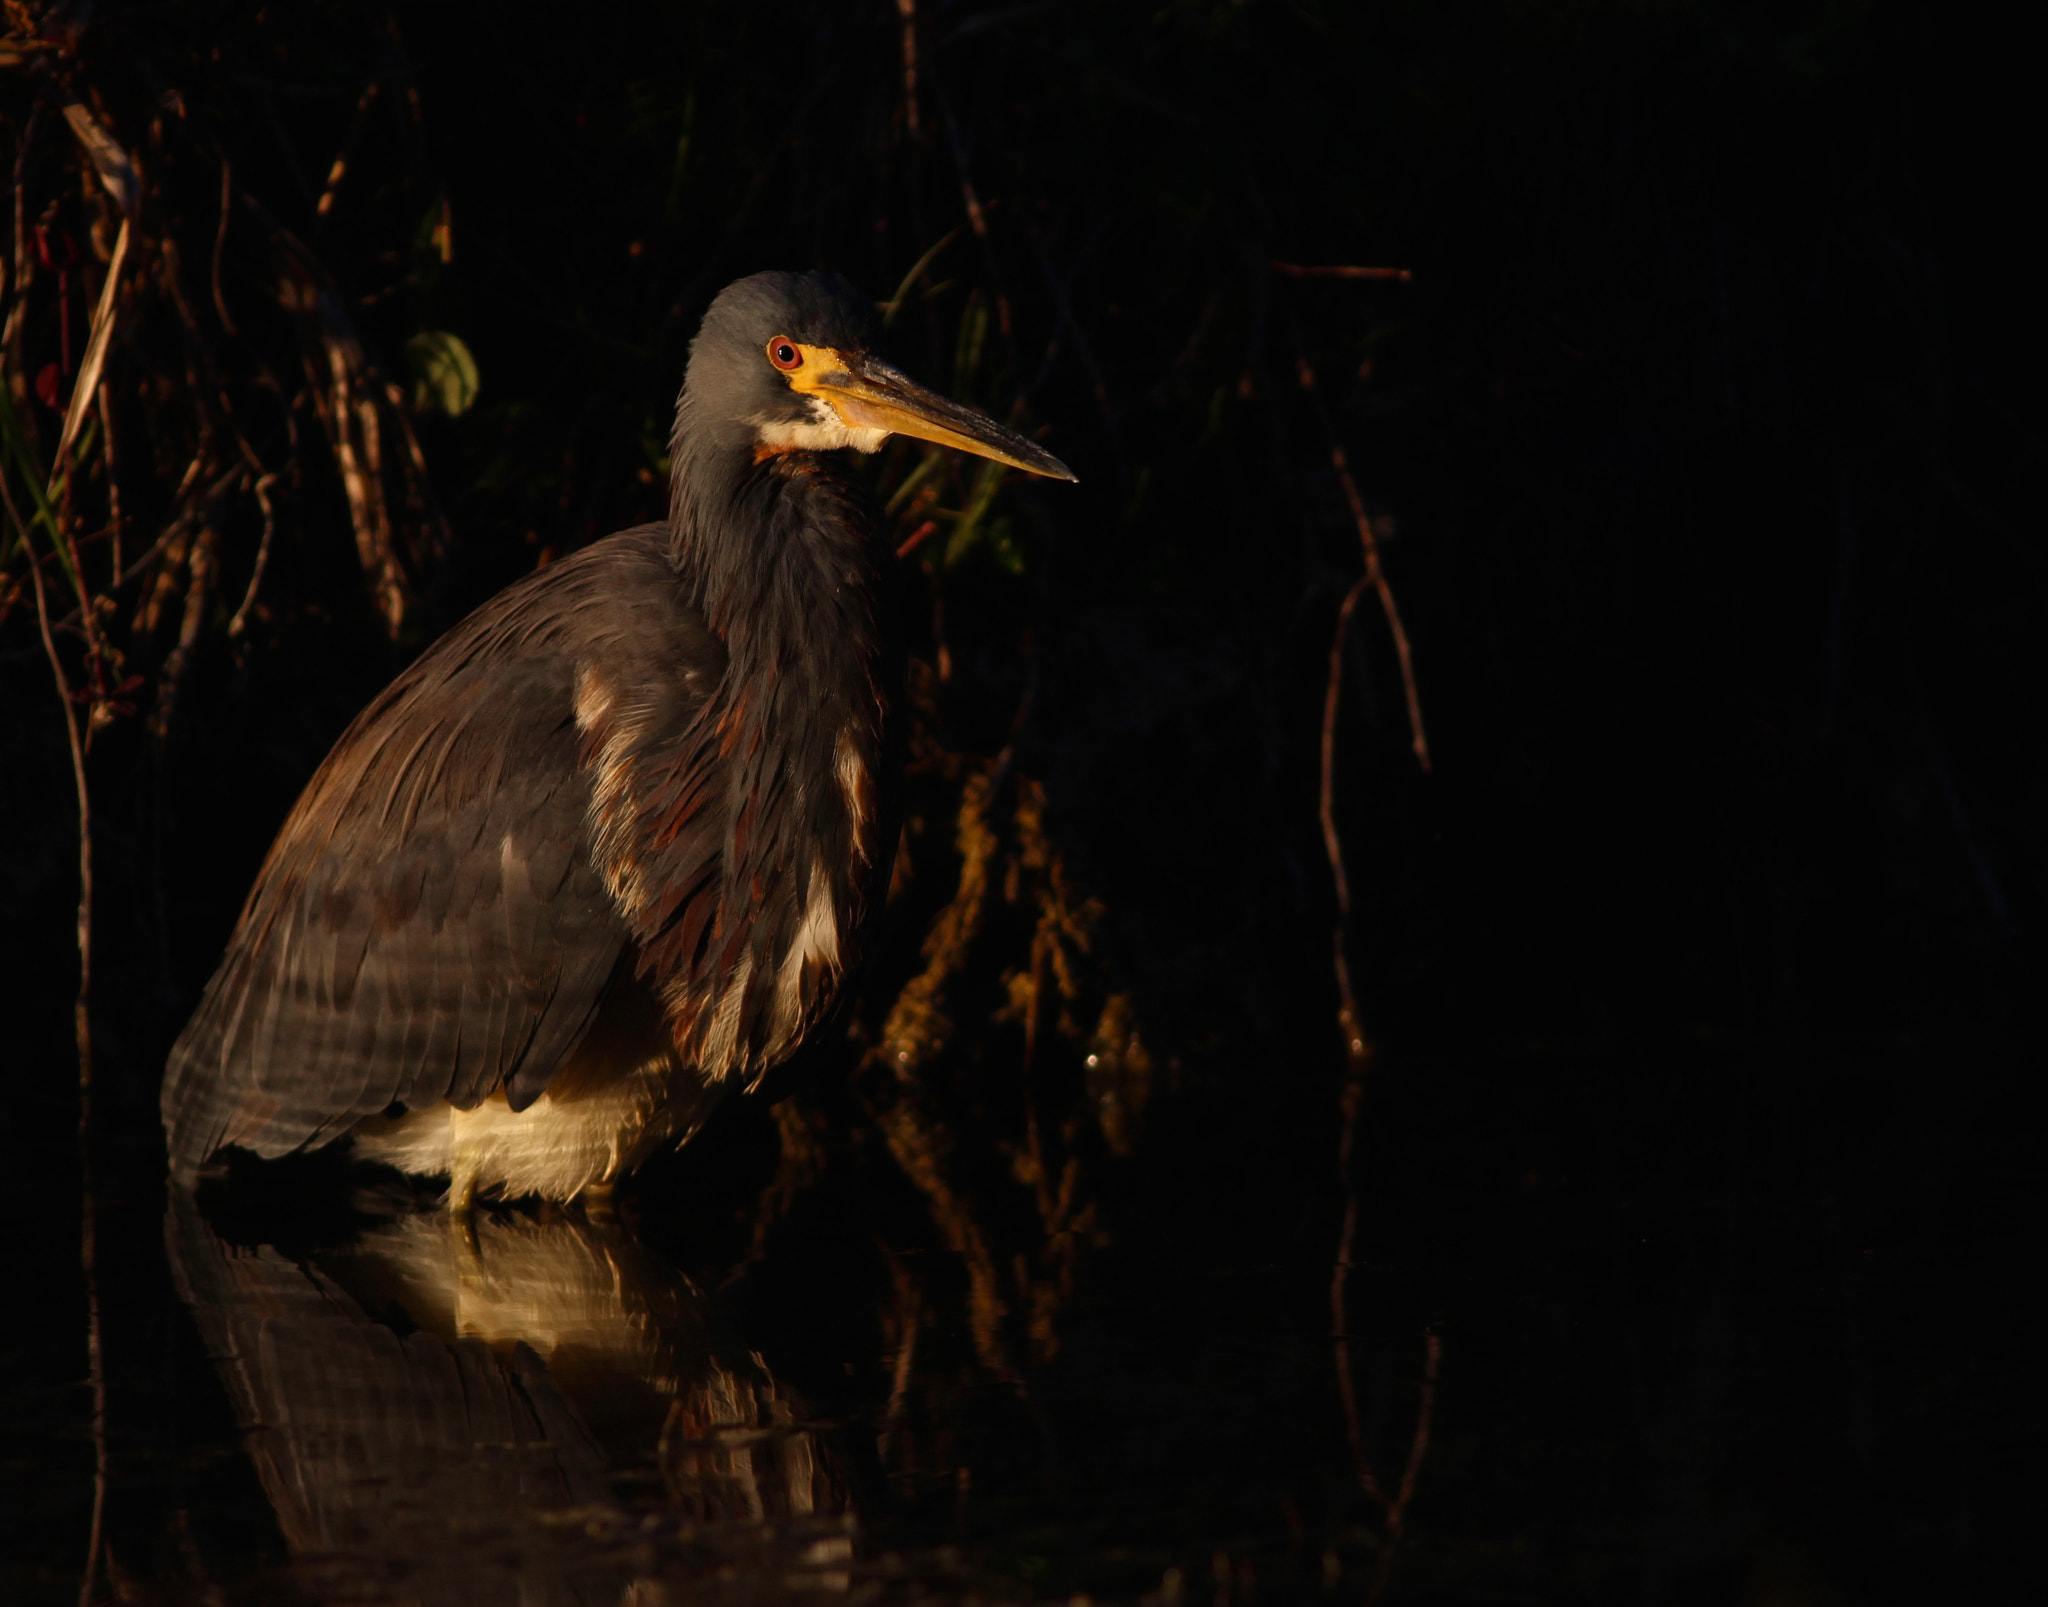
x=969 y=199
x=1374 y=572
x=1097 y=381
x=977 y=215
x=910 y=1314
x=179 y=524
x=270 y=86
x=907 y=9
x=339 y=170
x=1418 y=1447
x=87 y=387
x=1327 y=794
x=201 y=570
x=63 y=681
x=113 y=480
x=1357 y=1047
x=220 y=240
x=1295 y=270
x=82 y=1028
x=916 y=538
x=24 y=266
x=241 y=620
x=1357 y=1050
x=918 y=269
x=1340 y=1322
x=86 y=615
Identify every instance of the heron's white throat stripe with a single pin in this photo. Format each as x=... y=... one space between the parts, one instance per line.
x=823 y=431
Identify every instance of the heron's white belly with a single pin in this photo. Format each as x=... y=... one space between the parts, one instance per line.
x=555 y=1148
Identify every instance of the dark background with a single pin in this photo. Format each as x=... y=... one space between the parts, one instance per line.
x=1700 y=970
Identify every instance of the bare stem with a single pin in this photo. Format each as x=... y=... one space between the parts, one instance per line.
x=339 y=170
x=907 y=9
x=241 y=620
x=82 y=1027
x=1418 y=1447
x=1374 y=573
x=909 y=1317
x=1340 y=1322
x=220 y=240
x=113 y=478
x=1295 y=270
x=916 y=538
x=1358 y=1052
x=1327 y=793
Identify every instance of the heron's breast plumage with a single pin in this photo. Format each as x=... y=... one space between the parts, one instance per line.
x=737 y=827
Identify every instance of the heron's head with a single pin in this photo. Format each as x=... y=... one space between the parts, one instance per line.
x=786 y=362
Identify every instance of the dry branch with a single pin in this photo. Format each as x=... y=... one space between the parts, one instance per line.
x=360 y=412
x=1375 y=573
x=1358 y=1051
x=1296 y=270
x=907 y=10
x=87 y=386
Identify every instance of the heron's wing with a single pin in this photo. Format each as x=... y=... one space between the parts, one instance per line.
x=429 y=923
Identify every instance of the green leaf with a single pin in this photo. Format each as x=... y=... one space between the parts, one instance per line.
x=444 y=374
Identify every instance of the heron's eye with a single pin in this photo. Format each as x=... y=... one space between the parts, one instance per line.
x=785 y=354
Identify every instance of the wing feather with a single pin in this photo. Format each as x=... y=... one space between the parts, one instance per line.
x=429 y=924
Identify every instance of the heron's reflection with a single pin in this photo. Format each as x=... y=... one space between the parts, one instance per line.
x=542 y=1414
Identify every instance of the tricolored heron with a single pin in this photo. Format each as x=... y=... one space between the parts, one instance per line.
x=611 y=844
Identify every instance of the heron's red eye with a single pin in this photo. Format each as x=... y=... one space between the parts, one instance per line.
x=785 y=354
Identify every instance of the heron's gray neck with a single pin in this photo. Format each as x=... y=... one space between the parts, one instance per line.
x=781 y=559
x=779 y=554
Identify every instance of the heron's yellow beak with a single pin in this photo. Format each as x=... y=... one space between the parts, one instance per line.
x=868 y=394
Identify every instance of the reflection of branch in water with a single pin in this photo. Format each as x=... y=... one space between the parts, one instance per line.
x=1418 y=1447
x=800 y=1163
x=1375 y=572
x=917 y=1027
x=1358 y=1048
x=915 y=1148
x=1009 y=863
x=550 y=1416
x=908 y=1318
x=1010 y=914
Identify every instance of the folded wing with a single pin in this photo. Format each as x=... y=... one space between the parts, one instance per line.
x=429 y=925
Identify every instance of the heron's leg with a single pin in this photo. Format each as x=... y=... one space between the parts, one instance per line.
x=597 y=1200
x=462 y=1215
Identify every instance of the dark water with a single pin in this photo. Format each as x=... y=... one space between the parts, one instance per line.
x=1717 y=1322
